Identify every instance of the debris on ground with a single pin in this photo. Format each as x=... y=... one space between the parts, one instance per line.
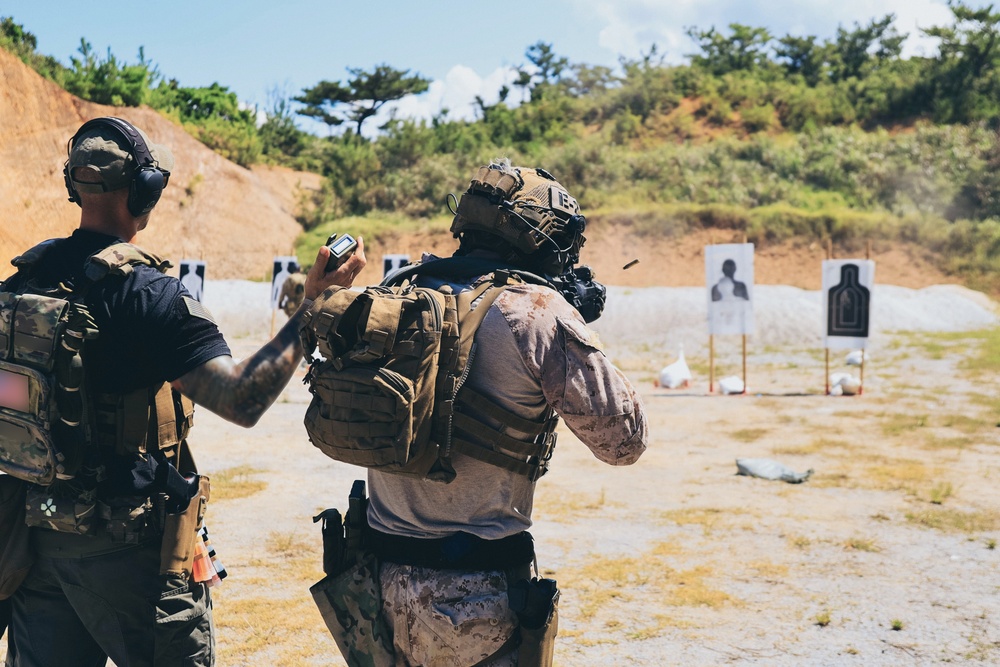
x=770 y=469
x=731 y=385
x=676 y=375
x=844 y=384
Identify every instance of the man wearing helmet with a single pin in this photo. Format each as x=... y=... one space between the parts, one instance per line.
x=114 y=536
x=455 y=558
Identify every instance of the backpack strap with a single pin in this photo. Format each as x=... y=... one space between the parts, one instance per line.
x=30 y=257
x=462 y=267
x=469 y=435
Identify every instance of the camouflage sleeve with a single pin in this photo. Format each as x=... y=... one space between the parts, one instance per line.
x=577 y=379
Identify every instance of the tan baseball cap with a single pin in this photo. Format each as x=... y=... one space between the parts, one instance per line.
x=103 y=150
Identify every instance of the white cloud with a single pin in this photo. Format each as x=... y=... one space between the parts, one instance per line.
x=631 y=26
x=455 y=93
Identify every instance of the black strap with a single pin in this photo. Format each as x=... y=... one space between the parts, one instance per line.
x=462 y=267
x=460 y=551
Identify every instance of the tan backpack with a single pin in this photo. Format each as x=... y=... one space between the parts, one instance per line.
x=389 y=392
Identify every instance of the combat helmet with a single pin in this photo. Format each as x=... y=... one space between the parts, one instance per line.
x=523 y=213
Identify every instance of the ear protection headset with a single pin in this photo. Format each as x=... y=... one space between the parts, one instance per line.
x=148 y=180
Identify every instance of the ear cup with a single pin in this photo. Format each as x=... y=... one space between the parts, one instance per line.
x=147 y=186
x=148 y=181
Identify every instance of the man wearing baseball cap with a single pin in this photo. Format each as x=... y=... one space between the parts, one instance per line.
x=115 y=509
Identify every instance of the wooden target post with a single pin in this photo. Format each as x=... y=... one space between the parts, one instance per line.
x=711 y=363
x=744 y=364
x=829 y=255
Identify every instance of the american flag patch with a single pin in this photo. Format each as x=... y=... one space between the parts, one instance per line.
x=195 y=308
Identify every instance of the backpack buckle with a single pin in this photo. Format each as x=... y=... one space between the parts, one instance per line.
x=547 y=442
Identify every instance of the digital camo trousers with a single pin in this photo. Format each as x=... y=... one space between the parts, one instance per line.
x=447 y=618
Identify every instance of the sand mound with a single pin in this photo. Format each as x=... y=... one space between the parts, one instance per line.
x=660 y=319
x=656 y=320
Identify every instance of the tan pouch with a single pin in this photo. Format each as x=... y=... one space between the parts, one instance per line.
x=180 y=532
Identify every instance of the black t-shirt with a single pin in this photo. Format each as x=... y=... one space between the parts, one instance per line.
x=147 y=335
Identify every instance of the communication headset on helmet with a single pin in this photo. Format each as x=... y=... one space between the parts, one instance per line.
x=148 y=179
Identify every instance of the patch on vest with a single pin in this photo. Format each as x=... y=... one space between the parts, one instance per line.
x=196 y=309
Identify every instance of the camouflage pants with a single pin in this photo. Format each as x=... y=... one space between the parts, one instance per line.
x=447 y=618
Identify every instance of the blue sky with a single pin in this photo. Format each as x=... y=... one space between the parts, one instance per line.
x=467 y=48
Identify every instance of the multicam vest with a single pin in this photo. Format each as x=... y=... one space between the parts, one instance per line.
x=49 y=417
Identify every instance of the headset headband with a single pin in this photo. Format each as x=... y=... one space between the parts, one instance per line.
x=140 y=152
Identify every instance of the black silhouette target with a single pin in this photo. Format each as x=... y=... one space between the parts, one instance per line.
x=848 y=304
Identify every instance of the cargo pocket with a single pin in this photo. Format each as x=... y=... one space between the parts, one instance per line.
x=184 y=633
x=471 y=615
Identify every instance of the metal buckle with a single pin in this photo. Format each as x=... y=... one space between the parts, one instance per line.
x=547 y=441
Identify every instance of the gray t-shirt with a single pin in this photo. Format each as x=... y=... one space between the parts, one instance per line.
x=534 y=350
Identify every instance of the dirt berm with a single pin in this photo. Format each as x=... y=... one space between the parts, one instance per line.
x=235 y=219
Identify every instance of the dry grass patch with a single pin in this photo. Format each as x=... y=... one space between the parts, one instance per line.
x=663 y=549
x=602 y=584
x=800 y=541
x=816 y=446
x=769 y=570
x=956 y=520
x=288 y=544
x=270 y=617
x=251 y=629
x=691 y=589
x=940 y=492
x=749 y=434
x=934 y=442
x=660 y=623
x=967 y=424
x=896 y=424
x=897 y=475
x=562 y=505
x=986 y=358
x=238 y=482
x=706 y=517
x=859 y=543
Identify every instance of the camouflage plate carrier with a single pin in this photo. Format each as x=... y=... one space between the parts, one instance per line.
x=390 y=392
x=48 y=417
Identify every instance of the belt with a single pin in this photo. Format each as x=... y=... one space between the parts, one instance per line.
x=461 y=551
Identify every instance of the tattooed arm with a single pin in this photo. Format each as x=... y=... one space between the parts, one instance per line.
x=242 y=392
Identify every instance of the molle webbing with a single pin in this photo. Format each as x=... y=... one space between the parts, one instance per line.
x=130 y=422
x=468 y=435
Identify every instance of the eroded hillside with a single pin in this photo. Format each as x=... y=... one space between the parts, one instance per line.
x=233 y=218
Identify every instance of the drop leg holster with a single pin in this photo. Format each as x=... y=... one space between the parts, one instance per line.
x=180 y=532
x=536 y=603
x=350 y=596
